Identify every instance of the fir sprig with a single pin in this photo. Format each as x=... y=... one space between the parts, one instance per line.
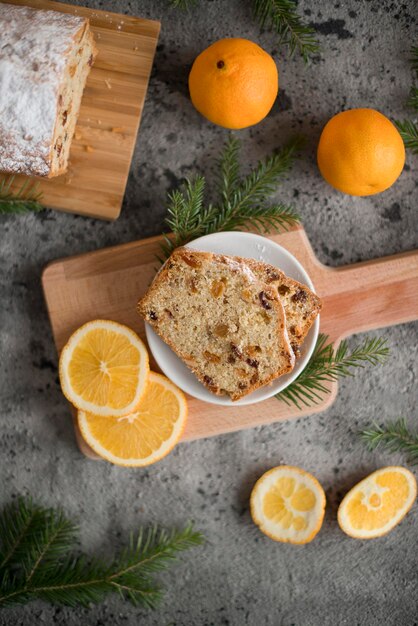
x=409 y=133
x=408 y=128
x=24 y=200
x=328 y=364
x=394 y=436
x=413 y=98
x=35 y=560
x=241 y=202
x=282 y=17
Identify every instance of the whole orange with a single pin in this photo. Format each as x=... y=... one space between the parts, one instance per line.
x=360 y=152
x=234 y=83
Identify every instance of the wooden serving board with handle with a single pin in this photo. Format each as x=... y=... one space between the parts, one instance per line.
x=108 y=283
x=110 y=113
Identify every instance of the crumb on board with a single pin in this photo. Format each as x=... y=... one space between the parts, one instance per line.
x=77 y=135
x=117 y=129
x=108 y=83
x=88 y=148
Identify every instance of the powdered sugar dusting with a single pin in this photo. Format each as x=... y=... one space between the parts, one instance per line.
x=240 y=265
x=33 y=49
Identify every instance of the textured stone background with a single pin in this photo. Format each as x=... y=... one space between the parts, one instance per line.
x=240 y=577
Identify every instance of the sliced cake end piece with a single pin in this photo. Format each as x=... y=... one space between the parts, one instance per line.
x=45 y=58
x=227 y=325
x=300 y=303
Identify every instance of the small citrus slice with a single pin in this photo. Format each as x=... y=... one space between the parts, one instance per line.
x=144 y=436
x=288 y=504
x=378 y=503
x=104 y=368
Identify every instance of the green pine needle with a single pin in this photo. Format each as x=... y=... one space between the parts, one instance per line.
x=413 y=98
x=241 y=202
x=409 y=133
x=36 y=560
x=282 y=17
x=328 y=364
x=24 y=200
x=413 y=94
x=408 y=128
x=394 y=436
x=229 y=170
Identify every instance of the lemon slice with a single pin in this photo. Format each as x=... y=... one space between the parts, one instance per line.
x=288 y=504
x=144 y=436
x=378 y=503
x=104 y=368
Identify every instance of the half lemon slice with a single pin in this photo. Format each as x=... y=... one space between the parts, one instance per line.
x=288 y=504
x=144 y=436
x=377 y=503
x=104 y=368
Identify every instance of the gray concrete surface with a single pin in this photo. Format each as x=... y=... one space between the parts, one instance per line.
x=240 y=577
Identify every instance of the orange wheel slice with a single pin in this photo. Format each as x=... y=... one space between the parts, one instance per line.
x=144 y=436
x=104 y=368
x=378 y=503
x=288 y=504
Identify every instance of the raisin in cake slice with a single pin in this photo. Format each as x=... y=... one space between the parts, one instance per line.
x=221 y=320
x=300 y=303
x=45 y=57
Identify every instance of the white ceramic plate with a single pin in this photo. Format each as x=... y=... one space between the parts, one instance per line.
x=255 y=247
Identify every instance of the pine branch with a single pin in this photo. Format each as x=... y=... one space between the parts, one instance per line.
x=241 y=203
x=263 y=220
x=413 y=94
x=49 y=544
x=328 y=364
x=281 y=16
x=16 y=523
x=253 y=191
x=24 y=200
x=413 y=98
x=72 y=582
x=185 y=208
x=187 y=217
x=395 y=437
x=229 y=169
x=407 y=128
x=409 y=133
x=35 y=546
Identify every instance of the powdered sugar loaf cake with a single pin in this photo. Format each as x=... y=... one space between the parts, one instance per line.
x=226 y=324
x=45 y=57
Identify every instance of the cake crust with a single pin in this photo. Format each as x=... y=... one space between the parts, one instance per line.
x=301 y=304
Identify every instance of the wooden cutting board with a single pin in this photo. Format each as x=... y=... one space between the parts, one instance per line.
x=110 y=113
x=108 y=283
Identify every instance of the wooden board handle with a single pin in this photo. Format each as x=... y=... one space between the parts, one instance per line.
x=370 y=295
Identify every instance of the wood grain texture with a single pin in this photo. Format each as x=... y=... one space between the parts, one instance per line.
x=111 y=109
x=108 y=283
